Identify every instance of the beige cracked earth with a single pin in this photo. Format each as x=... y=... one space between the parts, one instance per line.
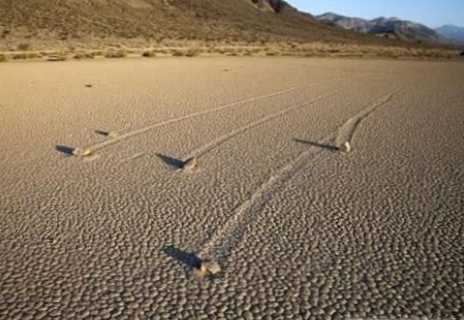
x=300 y=229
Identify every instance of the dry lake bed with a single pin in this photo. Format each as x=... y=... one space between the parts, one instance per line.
x=316 y=188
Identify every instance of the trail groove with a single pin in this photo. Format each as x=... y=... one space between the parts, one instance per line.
x=128 y=135
x=347 y=130
x=220 y=244
x=202 y=150
x=137 y=132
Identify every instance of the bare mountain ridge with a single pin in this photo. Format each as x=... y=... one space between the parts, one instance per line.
x=453 y=33
x=210 y=20
x=385 y=27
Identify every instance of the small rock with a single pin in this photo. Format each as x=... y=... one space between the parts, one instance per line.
x=113 y=134
x=210 y=266
x=190 y=164
x=78 y=152
x=346 y=147
x=206 y=268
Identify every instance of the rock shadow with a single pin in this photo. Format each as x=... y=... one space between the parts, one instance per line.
x=173 y=163
x=318 y=145
x=66 y=150
x=103 y=133
x=188 y=259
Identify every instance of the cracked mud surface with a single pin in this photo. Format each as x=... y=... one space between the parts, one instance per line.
x=299 y=229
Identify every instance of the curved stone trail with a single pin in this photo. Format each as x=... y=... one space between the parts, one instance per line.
x=346 y=132
x=220 y=244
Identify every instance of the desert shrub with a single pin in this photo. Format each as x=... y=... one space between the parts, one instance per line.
x=24 y=46
x=287 y=54
x=56 y=57
x=333 y=50
x=98 y=53
x=33 y=55
x=19 y=56
x=271 y=53
x=2 y=58
x=149 y=54
x=178 y=53
x=84 y=55
x=115 y=54
x=193 y=52
x=161 y=51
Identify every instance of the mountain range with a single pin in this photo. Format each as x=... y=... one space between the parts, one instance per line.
x=393 y=28
x=451 y=32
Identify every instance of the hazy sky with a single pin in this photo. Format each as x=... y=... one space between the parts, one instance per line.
x=430 y=12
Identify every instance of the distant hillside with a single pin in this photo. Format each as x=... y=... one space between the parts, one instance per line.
x=83 y=21
x=384 y=27
x=453 y=33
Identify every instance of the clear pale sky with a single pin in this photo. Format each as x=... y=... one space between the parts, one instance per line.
x=433 y=13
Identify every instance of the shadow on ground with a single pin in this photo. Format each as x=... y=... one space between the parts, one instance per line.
x=67 y=151
x=188 y=259
x=103 y=133
x=318 y=145
x=170 y=161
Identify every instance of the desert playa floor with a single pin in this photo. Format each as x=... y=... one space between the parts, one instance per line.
x=300 y=228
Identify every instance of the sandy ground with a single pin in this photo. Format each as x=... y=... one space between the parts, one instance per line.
x=300 y=229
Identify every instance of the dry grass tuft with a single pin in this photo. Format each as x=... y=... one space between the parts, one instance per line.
x=193 y=52
x=178 y=53
x=24 y=46
x=190 y=52
x=115 y=54
x=84 y=55
x=57 y=57
x=272 y=53
x=19 y=56
x=149 y=54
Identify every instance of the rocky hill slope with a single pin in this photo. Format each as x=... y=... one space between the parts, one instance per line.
x=158 y=20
